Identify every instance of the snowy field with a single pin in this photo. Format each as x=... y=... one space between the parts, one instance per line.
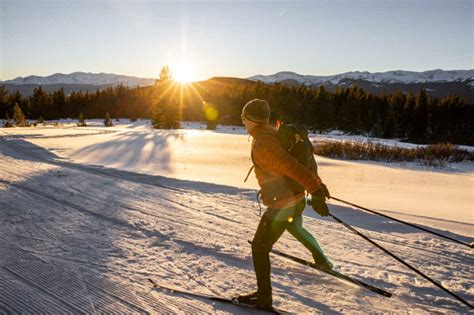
x=88 y=214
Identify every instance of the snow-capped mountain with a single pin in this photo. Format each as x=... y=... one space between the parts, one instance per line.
x=437 y=83
x=398 y=76
x=82 y=78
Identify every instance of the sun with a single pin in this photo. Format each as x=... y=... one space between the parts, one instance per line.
x=183 y=73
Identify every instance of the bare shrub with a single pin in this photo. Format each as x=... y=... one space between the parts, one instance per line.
x=434 y=155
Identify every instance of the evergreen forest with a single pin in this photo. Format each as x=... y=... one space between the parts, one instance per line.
x=417 y=118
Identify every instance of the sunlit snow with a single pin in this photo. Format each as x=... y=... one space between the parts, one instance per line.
x=88 y=214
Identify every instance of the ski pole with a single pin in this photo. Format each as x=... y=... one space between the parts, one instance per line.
x=404 y=222
x=402 y=261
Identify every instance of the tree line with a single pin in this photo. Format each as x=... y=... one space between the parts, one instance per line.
x=416 y=117
x=119 y=101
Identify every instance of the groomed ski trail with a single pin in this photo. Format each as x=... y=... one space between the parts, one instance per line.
x=82 y=241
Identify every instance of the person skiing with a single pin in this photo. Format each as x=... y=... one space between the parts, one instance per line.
x=283 y=182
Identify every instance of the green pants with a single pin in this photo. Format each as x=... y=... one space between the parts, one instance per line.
x=272 y=225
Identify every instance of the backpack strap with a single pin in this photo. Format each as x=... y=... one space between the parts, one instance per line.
x=248 y=174
x=251 y=156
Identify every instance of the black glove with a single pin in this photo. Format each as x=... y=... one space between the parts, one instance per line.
x=318 y=201
x=325 y=191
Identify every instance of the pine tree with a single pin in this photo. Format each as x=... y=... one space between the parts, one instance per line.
x=397 y=102
x=59 y=104
x=407 y=121
x=3 y=99
x=18 y=116
x=82 y=121
x=107 y=120
x=350 y=113
x=322 y=110
x=390 y=124
x=377 y=130
x=166 y=112
x=420 y=116
x=42 y=105
x=157 y=116
x=7 y=123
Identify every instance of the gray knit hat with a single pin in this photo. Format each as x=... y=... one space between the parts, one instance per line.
x=257 y=111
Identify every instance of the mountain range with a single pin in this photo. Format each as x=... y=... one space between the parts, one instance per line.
x=76 y=81
x=397 y=77
x=438 y=83
x=82 y=78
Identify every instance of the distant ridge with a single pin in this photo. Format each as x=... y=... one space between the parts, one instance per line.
x=397 y=76
x=437 y=83
x=87 y=78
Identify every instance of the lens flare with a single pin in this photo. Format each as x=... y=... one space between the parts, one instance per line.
x=210 y=111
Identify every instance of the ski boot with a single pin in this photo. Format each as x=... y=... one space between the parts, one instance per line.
x=263 y=302
x=322 y=262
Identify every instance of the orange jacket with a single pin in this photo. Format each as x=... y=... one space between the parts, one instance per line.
x=274 y=165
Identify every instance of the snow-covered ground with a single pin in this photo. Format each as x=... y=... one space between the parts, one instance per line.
x=88 y=214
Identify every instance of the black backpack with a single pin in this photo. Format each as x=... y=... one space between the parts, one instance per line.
x=294 y=139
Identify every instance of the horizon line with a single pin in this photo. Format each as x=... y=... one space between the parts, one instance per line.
x=239 y=77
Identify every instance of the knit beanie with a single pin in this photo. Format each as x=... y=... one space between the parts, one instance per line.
x=257 y=111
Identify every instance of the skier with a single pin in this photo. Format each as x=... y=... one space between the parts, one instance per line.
x=281 y=179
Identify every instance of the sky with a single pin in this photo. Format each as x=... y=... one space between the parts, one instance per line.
x=234 y=38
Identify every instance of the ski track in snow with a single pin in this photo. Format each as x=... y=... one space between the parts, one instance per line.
x=85 y=239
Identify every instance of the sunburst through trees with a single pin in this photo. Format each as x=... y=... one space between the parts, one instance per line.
x=168 y=100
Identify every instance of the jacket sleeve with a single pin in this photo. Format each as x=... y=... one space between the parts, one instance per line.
x=268 y=154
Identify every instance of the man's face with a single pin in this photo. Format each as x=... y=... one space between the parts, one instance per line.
x=247 y=123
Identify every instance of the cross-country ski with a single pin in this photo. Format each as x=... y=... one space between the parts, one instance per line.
x=227 y=300
x=333 y=273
